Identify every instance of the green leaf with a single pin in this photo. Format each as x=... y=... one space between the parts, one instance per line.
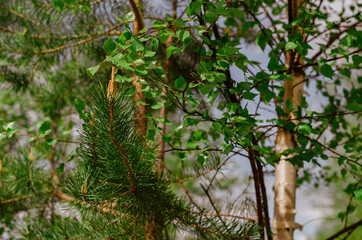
x=180 y=83
x=167 y=138
x=355 y=107
x=171 y=50
x=44 y=129
x=130 y=17
x=358 y=195
x=261 y=40
x=10 y=129
x=196 y=136
x=249 y=95
x=157 y=105
x=60 y=169
x=92 y=70
x=327 y=71
x=281 y=112
x=343 y=172
x=79 y=105
x=9 y=126
x=2 y=136
x=76 y=10
x=228 y=148
x=137 y=45
x=194 y=8
x=31 y=139
x=59 y=5
x=85 y=9
x=182 y=34
x=341 y=160
x=210 y=16
x=51 y=141
x=202 y=159
x=305 y=128
x=126 y=35
x=290 y=46
x=109 y=45
x=122 y=78
x=273 y=63
x=357 y=59
x=217 y=126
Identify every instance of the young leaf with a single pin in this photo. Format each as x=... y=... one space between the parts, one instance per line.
x=60 y=169
x=180 y=83
x=44 y=129
x=109 y=45
x=171 y=50
x=85 y=9
x=358 y=195
x=290 y=46
x=2 y=136
x=59 y=5
x=130 y=17
x=92 y=70
x=51 y=141
x=327 y=71
x=273 y=63
x=79 y=105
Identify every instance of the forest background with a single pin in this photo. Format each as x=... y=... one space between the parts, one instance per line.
x=225 y=92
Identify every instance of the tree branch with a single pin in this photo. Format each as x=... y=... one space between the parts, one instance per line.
x=346 y=229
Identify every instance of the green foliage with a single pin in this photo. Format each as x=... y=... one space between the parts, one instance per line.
x=116 y=172
x=214 y=93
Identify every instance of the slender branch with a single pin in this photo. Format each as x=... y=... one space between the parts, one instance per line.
x=91 y=4
x=111 y=95
x=22 y=16
x=225 y=236
x=346 y=229
x=33 y=71
x=263 y=29
x=53 y=36
x=333 y=39
x=230 y=215
x=115 y=198
x=314 y=18
x=197 y=176
x=213 y=205
x=6 y=30
x=44 y=137
x=259 y=204
x=64 y=197
x=189 y=196
x=109 y=32
x=12 y=200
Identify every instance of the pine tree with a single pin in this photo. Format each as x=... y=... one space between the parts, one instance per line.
x=117 y=189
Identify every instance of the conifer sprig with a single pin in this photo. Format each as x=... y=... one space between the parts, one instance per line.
x=117 y=171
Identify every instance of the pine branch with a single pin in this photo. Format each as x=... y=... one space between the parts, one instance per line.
x=109 y=32
x=44 y=138
x=12 y=200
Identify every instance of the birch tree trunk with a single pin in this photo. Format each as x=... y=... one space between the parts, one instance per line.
x=285 y=172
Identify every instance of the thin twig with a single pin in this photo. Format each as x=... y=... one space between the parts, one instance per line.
x=12 y=200
x=109 y=32
x=44 y=137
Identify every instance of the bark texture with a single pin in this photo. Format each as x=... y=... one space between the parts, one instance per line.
x=285 y=172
